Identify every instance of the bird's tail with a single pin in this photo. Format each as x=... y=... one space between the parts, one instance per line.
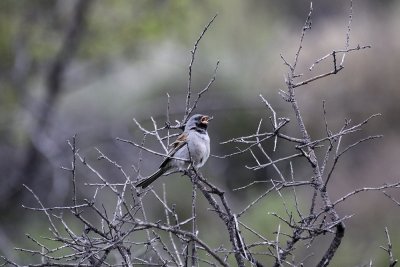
x=147 y=181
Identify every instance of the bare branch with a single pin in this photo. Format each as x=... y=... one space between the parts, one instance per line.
x=188 y=110
x=347 y=44
x=306 y=27
x=392 y=261
x=364 y=189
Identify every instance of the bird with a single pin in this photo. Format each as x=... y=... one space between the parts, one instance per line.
x=191 y=148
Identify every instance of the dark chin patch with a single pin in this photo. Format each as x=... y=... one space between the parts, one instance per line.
x=202 y=125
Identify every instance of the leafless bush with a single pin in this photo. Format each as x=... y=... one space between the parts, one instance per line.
x=127 y=236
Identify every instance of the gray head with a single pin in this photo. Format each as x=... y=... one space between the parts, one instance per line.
x=198 y=122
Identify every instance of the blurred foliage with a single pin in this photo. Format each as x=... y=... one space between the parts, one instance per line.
x=129 y=23
x=134 y=52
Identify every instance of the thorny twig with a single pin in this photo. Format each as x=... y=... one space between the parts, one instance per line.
x=316 y=222
x=392 y=260
x=188 y=108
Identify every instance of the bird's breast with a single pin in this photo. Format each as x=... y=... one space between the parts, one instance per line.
x=199 y=148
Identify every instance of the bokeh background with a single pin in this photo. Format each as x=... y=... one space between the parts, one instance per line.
x=127 y=55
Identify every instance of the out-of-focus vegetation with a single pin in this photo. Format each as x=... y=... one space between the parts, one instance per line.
x=131 y=53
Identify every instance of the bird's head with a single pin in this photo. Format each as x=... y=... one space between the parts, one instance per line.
x=198 y=121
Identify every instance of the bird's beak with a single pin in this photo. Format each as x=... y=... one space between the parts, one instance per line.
x=205 y=119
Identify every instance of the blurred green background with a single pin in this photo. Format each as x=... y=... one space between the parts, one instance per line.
x=130 y=54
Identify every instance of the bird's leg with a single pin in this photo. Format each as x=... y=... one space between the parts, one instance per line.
x=186 y=171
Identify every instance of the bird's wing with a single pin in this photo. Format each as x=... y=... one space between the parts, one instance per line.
x=178 y=144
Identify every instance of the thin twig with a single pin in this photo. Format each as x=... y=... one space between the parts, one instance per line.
x=193 y=54
x=392 y=260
